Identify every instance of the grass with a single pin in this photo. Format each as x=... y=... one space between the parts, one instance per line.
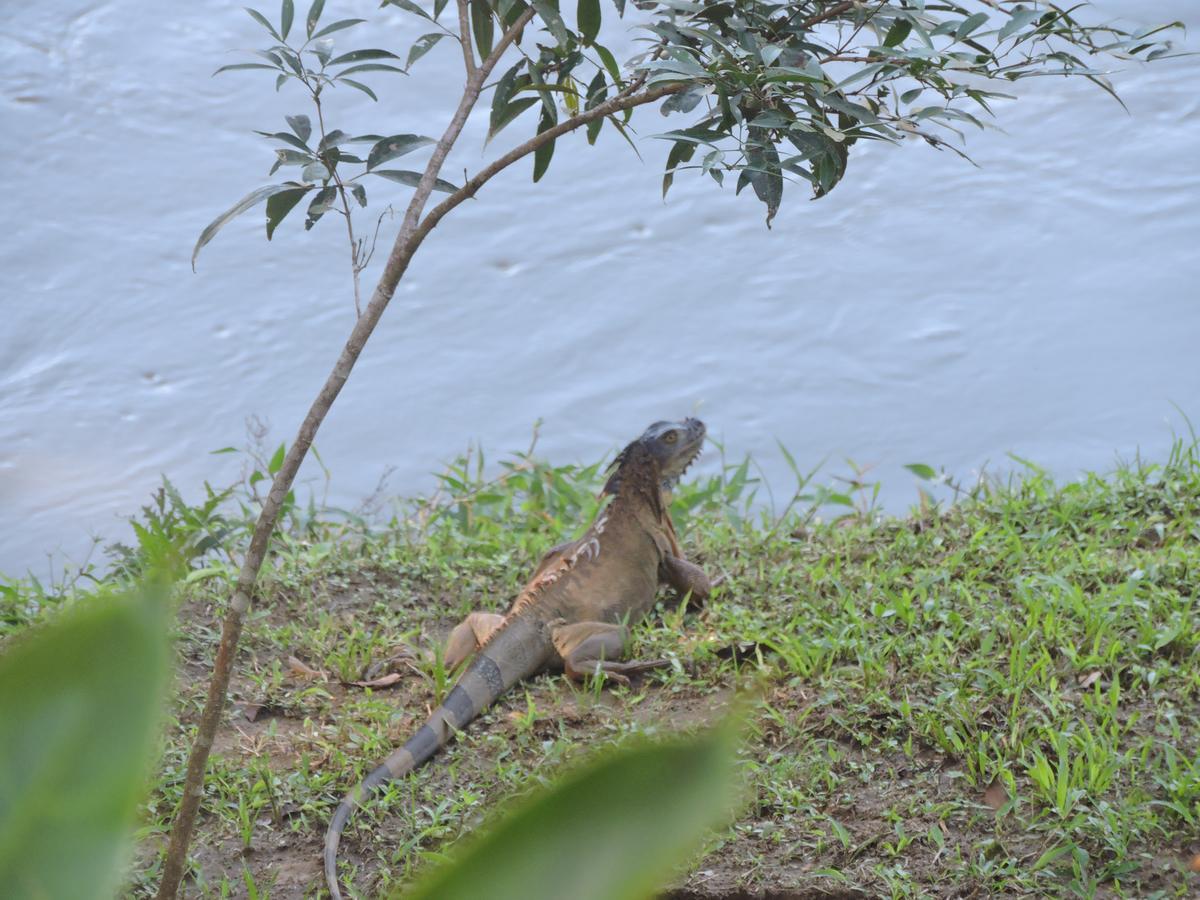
x=999 y=696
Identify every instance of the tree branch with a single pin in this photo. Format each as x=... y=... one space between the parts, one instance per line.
x=464 y=35
x=405 y=245
x=626 y=100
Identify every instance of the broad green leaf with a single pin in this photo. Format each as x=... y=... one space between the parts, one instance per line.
x=922 y=471
x=358 y=85
x=681 y=152
x=394 y=146
x=1018 y=19
x=279 y=205
x=336 y=26
x=371 y=67
x=251 y=199
x=421 y=46
x=355 y=56
x=276 y=462
x=262 y=20
x=285 y=137
x=613 y=830
x=80 y=701
x=547 y=10
x=332 y=139
x=286 y=14
x=971 y=24
x=597 y=93
x=412 y=179
x=543 y=154
x=315 y=171
x=409 y=6
x=897 y=33
x=314 y=16
x=510 y=111
x=588 y=15
x=301 y=125
x=234 y=66
x=321 y=204
x=482 y=26
x=610 y=62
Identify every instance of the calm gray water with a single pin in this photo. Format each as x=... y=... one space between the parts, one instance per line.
x=1045 y=304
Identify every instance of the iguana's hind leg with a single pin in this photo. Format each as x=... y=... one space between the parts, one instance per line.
x=469 y=635
x=685 y=577
x=594 y=648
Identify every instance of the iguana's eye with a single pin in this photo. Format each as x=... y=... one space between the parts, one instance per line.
x=670 y=437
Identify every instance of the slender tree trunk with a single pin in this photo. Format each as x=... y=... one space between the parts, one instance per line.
x=413 y=232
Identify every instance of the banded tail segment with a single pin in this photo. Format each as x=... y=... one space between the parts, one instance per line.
x=506 y=661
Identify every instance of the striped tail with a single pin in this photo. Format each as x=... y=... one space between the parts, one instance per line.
x=516 y=652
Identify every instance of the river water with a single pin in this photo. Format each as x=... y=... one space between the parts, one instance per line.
x=1044 y=304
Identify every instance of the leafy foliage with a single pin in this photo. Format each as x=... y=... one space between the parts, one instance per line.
x=612 y=830
x=80 y=699
x=775 y=92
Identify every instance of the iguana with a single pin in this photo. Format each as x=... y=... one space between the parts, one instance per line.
x=573 y=614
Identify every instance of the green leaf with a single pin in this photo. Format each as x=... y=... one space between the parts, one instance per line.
x=897 y=33
x=355 y=56
x=332 y=139
x=616 y=828
x=285 y=137
x=543 y=154
x=547 y=10
x=423 y=45
x=314 y=15
x=360 y=194
x=412 y=179
x=359 y=86
x=482 y=26
x=276 y=462
x=286 y=14
x=504 y=108
x=262 y=20
x=80 y=699
x=410 y=6
x=251 y=199
x=970 y=24
x=301 y=125
x=279 y=205
x=394 y=146
x=922 y=471
x=336 y=26
x=315 y=171
x=321 y=204
x=370 y=67
x=610 y=62
x=1018 y=19
x=681 y=152
x=234 y=66
x=597 y=93
x=588 y=15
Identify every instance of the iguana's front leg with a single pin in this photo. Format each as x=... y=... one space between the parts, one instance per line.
x=685 y=576
x=592 y=648
x=468 y=636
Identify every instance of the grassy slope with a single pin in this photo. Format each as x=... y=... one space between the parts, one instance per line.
x=1033 y=649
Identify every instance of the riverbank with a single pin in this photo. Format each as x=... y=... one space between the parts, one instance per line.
x=1000 y=696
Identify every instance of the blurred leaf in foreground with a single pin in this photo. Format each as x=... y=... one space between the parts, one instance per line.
x=613 y=830
x=80 y=701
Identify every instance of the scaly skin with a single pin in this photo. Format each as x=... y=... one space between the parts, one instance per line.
x=572 y=615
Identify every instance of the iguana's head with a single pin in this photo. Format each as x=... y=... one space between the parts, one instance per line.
x=668 y=446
